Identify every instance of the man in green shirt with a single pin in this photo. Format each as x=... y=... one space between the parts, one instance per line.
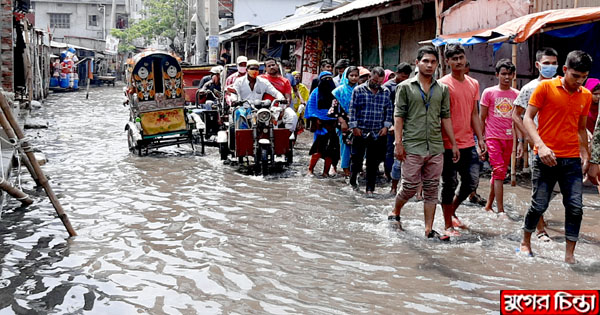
x=422 y=109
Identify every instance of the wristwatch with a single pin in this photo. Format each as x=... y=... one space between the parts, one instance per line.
x=520 y=140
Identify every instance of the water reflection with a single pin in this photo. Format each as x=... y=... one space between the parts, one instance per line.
x=180 y=233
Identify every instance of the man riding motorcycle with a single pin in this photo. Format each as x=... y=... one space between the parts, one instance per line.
x=251 y=87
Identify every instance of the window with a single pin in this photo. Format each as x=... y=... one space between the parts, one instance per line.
x=60 y=20
x=92 y=20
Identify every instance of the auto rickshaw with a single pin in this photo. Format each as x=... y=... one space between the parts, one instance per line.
x=158 y=117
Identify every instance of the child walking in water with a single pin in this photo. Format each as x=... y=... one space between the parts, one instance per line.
x=496 y=115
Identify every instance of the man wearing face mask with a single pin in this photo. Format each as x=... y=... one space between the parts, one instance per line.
x=371 y=113
x=546 y=63
x=242 y=62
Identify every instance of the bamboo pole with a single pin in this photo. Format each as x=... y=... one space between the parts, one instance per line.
x=380 y=42
x=513 y=156
x=7 y=112
x=15 y=193
x=360 y=45
x=27 y=61
x=334 y=42
x=10 y=133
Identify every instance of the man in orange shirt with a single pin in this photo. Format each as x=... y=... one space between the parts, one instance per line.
x=561 y=147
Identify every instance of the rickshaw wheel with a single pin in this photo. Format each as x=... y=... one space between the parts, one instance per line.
x=130 y=142
x=263 y=163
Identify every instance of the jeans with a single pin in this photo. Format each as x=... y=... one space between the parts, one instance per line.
x=374 y=150
x=567 y=173
x=389 y=154
x=468 y=169
x=476 y=167
x=396 y=170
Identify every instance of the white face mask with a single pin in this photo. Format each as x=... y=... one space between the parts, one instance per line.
x=242 y=69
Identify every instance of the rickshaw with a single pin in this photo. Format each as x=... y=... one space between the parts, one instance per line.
x=158 y=117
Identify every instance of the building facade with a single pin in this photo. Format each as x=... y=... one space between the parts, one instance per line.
x=86 y=19
x=253 y=11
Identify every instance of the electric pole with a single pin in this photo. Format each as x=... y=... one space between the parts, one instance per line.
x=213 y=41
x=188 y=37
x=200 y=32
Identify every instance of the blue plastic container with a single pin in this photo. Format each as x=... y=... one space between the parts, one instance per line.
x=64 y=83
x=76 y=83
x=53 y=82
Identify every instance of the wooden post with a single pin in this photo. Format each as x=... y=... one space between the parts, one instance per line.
x=360 y=46
x=27 y=62
x=36 y=166
x=334 y=41
x=268 y=41
x=246 y=48
x=576 y=4
x=302 y=58
x=87 y=77
x=233 y=56
x=258 y=49
x=380 y=41
x=513 y=156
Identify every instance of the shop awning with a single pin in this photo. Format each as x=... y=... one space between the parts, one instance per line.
x=563 y=23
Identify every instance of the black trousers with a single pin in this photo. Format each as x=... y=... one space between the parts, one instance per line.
x=374 y=150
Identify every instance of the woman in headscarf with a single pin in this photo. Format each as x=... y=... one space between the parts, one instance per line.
x=340 y=110
x=389 y=74
x=326 y=144
x=299 y=107
x=593 y=85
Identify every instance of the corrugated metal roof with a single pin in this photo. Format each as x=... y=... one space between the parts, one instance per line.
x=352 y=6
x=297 y=21
x=292 y=23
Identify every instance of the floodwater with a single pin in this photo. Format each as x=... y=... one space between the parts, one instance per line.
x=181 y=233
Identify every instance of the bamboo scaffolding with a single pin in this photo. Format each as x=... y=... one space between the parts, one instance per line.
x=12 y=138
x=8 y=114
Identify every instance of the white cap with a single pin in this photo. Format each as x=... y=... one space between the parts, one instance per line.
x=241 y=59
x=216 y=70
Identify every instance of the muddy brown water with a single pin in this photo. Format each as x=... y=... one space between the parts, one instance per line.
x=180 y=233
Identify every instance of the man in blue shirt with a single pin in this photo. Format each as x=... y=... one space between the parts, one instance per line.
x=371 y=113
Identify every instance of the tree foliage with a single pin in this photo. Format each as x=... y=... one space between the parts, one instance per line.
x=162 y=19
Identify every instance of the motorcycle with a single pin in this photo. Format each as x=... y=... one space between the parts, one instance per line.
x=254 y=131
x=209 y=117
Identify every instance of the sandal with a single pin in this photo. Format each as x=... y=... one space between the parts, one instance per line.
x=451 y=232
x=436 y=235
x=394 y=218
x=477 y=199
x=544 y=237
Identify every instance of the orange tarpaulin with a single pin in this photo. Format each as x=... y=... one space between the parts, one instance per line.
x=524 y=27
x=520 y=29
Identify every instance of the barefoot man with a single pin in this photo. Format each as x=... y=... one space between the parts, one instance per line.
x=561 y=147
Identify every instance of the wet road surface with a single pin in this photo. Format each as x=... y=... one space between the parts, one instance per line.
x=180 y=233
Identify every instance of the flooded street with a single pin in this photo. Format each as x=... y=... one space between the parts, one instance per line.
x=180 y=233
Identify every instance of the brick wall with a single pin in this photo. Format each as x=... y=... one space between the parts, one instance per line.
x=6 y=45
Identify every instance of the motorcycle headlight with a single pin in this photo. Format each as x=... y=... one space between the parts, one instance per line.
x=263 y=116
